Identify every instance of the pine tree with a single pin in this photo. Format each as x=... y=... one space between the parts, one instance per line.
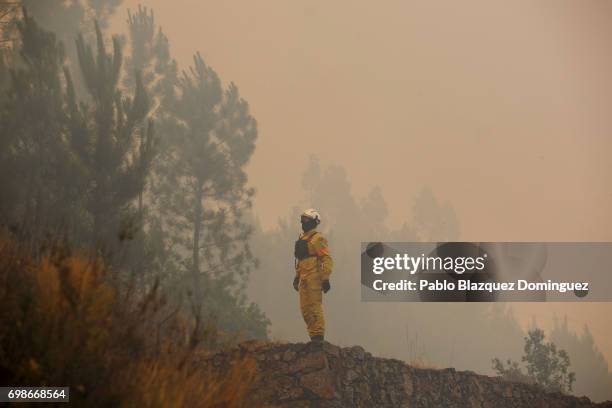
x=150 y=56
x=82 y=167
x=203 y=185
x=68 y=18
x=168 y=249
x=112 y=152
x=40 y=187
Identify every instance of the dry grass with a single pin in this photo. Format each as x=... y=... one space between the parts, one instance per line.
x=164 y=383
x=62 y=322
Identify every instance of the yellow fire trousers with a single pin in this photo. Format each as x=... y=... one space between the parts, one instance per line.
x=312 y=271
x=311 y=305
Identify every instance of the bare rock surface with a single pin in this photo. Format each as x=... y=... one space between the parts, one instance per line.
x=324 y=375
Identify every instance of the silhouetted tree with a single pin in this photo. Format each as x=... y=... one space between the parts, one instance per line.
x=67 y=19
x=80 y=165
x=113 y=148
x=150 y=56
x=202 y=187
x=38 y=178
x=545 y=364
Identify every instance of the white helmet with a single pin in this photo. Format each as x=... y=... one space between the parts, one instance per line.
x=312 y=214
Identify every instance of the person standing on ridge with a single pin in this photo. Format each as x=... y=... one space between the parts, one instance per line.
x=313 y=265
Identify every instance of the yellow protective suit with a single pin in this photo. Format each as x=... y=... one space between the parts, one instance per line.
x=312 y=271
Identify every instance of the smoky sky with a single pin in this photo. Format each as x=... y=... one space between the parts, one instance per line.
x=501 y=108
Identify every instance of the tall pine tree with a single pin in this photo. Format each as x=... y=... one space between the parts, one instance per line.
x=112 y=152
x=150 y=56
x=203 y=190
x=40 y=185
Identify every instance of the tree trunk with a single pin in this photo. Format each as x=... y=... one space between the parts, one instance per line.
x=197 y=230
x=139 y=264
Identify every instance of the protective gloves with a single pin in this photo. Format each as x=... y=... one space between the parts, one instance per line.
x=325 y=286
x=296 y=283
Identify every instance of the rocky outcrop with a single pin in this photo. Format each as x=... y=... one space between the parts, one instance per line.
x=324 y=375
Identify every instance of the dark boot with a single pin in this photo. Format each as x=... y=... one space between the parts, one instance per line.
x=317 y=339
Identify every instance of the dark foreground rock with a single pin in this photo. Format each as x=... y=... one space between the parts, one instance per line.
x=309 y=375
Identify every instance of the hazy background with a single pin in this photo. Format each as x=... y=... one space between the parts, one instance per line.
x=501 y=108
x=400 y=121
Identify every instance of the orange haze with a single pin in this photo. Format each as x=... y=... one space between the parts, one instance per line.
x=502 y=108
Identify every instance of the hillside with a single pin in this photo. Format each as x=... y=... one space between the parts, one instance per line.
x=307 y=375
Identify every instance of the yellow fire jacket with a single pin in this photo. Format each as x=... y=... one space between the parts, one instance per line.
x=318 y=266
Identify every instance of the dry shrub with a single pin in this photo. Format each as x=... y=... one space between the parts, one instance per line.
x=63 y=323
x=169 y=384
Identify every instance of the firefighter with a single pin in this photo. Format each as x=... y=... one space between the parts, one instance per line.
x=313 y=265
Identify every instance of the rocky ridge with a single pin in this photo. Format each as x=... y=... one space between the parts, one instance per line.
x=324 y=375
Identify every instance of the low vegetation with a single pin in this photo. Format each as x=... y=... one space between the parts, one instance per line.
x=63 y=322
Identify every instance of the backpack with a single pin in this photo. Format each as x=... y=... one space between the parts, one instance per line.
x=301 y=248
